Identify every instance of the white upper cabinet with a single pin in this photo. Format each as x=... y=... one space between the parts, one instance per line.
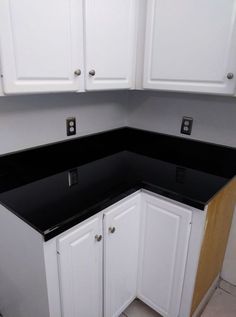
x=41 y=45
x=110 y=31
x=190 y=46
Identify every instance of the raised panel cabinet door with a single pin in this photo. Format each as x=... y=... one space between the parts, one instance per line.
x=121 y=231
x=80 y=269
x=41 y=45
x=164 y=246
x=110 y=37
x=190 y=46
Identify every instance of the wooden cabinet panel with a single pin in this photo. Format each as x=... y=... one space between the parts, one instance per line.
x=217 y=227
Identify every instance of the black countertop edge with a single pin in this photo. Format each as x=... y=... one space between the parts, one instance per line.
x=109 y=201
x=91 y=211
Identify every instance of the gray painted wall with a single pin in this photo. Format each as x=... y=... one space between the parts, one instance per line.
x=214 y=116
x=29 y=121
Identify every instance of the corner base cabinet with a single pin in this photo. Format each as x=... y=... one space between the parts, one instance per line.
x=141 y=253
x=144 y=246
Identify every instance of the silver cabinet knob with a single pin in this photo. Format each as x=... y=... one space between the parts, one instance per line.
x=230 y=75
x=77 y=72
x=112 y=229
x=92 y=72
x=98 y=237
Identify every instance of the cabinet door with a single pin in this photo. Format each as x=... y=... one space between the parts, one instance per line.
x=121 y=231
x=164 y=245
x=190 y=46
x=41 y=45
x=80 y=265
x=110 y=43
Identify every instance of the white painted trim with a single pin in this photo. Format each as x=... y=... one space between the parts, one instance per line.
x=207 y=297
x=52 y=278
x=194 y=250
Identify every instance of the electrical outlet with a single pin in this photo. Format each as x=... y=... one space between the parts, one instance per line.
x=73 y=177
x=71 y=126
x=186 y=127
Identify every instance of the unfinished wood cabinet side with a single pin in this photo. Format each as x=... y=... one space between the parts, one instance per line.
x=217 y=227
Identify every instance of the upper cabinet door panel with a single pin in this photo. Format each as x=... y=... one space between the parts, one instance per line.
x=41 y=45
x=190 y=45
x=110 y=43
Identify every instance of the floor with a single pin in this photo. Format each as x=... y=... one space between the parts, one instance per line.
x=139 y=309
x=222 y=304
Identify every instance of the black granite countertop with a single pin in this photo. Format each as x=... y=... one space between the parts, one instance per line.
x=36 y=184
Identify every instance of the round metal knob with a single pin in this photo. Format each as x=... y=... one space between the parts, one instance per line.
x=77 y=72
x=92 y=72
x=98 y=237
x=112 y=229
x=230 y=75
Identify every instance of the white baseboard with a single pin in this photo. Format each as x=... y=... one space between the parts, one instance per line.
x=206 y=298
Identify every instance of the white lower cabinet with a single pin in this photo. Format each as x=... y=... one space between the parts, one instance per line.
x=80 y=270
x=135 y=248
x=121 y=233
x=163 y=253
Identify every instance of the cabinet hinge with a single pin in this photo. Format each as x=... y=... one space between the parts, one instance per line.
x=58 y=252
